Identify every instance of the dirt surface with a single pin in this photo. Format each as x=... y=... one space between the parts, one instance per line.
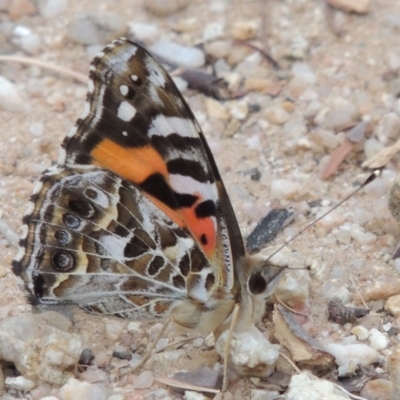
x=357 y=68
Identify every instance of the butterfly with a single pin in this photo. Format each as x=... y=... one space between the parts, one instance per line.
x=134 y=220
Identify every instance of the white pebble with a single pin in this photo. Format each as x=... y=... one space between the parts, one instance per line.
x=276 y=115
x=213 y=31
x=372 y=147
x=358 y=353
x=146 y=32
x=189 y=395
x=306 y=386
x=338 y=117
x=284 y=189
x=113 y=329
x=343 y=236
x=303 y=71
x=378 y=340
x=134 y=327
x=338 y=294
x=183 y=56
x=26 y=40
x=75 y=389
x=396 y=264
x=36 y=129
x=361 y=332
x=238 y=110
x=20 y=383
x=10 y=98
x=359 y=235
x=52 y=8
x=144 y=380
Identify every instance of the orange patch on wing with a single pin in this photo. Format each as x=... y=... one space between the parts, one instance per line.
x=134 y=164
x=200 y=227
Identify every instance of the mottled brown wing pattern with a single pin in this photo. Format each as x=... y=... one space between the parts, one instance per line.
x=134 y=218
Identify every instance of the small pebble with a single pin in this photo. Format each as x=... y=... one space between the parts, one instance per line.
x=10 y=98
x=75 y=389
x=388 y=127
x=26 y=40
x=379 y=389
x=285 y=189
x=142 y=31
x=96 y=28
x=359 y=235
x=245 y=30
x=258 y=394
x=20 y=383
x=352 y=353
x=306 y=386
x=361 y=332
x=182 y=56
x=144 y=380
x=114 y=329
x=36 y=129
x=162 y=8
x=378 y=340
x=19 y=8
x=371 y=147
x=298 y=48
x=338 y=117
x=276 y=115
x=393 y=304
x=189 y=395
x=293 y=287
x=52 y=8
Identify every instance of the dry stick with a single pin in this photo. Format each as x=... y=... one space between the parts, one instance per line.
x=152 y=347
x=51 y=67
x=187 y=386
x=290 y=362
x=353 y=396
x=289 y=308
x=235 y=316
x=358 y=292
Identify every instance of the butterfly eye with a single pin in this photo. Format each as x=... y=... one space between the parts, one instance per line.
x=257 y=283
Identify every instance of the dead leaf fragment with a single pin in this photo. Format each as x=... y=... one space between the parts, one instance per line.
x=358 y=6
x=380 y=159
x=300 y=344
x=336 y=158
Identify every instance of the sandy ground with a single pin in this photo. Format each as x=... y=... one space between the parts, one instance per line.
x=349 y=68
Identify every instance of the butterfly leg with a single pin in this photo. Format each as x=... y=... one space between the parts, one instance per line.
x=153 y=345
x=235 y=317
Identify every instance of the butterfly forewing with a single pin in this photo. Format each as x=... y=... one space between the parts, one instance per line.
x=135 y=216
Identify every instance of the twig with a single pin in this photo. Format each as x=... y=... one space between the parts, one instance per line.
x=187 y=386
x=358 y=292
x=51 y=67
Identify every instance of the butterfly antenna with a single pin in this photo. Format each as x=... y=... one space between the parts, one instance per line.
x=370 y=179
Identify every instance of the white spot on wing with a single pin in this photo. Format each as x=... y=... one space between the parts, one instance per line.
x=186 y=184
x=100 y=199
x=114 y=245
x=134 y=78
x=124 y=89
x=165 y=126
x=126 y=111
x=91 y=86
